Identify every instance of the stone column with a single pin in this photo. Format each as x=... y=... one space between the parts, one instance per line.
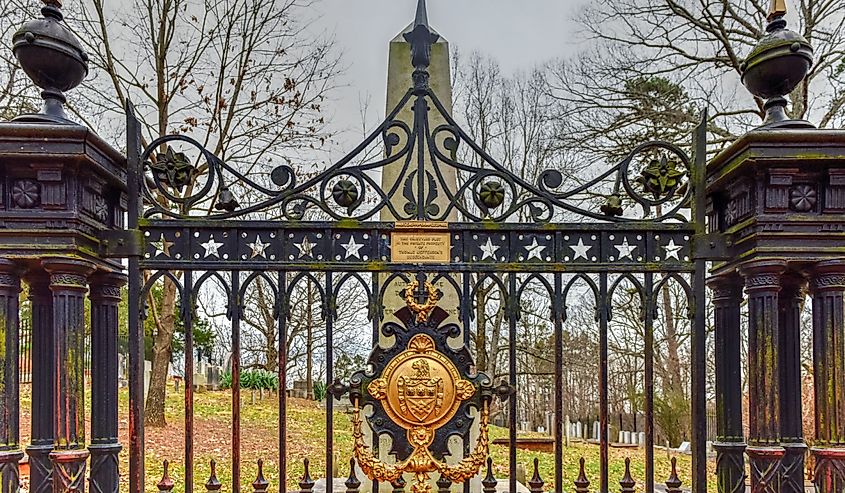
x=43 y=371
x=68 y=283
x=763 y=285
x=730 y=443
x=790 y=304
x=827 y=286
x=10 y=452
x=104 y=448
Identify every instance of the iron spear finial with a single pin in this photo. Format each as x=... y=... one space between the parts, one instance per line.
x=421 y=39
x=422 y=14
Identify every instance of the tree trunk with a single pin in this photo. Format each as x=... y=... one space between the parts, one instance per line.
x=673 y=361
x=271 y=354
x=481 y=329
x=162 y=352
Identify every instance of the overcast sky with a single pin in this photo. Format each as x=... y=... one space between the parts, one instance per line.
x=518 y=33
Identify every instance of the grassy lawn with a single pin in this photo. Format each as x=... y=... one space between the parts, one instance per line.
x=307 y=439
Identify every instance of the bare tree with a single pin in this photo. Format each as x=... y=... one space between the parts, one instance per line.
x=17 y=94
x=242 y=77
x=690 y=55
x=305 y=326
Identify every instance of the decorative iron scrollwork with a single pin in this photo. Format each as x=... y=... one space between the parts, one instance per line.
x=653 y=174
x=420 y=390
x=173 y=169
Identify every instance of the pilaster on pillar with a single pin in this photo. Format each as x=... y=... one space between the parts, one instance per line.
x=104 y=448
x=10 y=452
x=730 y=443
x=41 y=442
x=790 y=305
x=827 y=287
x=69 y=283
x=763 y=285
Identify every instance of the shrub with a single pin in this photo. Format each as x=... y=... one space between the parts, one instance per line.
x=257 y=379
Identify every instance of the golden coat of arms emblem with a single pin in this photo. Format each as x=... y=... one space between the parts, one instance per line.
x=420 y=389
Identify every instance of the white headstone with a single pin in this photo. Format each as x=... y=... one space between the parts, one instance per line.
x=148 y=369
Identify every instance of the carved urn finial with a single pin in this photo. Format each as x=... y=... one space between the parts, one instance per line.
x=776 y=66
x=53 y=59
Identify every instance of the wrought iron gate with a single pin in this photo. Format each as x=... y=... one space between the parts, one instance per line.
x=638 y=225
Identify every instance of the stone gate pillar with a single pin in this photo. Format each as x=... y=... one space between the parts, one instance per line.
x=69 y=284
x=776 y=205
x=827 y=285
x=41 y=441
x=730 y=442
x=104 y=448
x=62 y=205
x=10 y=453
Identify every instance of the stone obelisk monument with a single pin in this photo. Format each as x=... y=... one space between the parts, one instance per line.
x=400 y=70
x=400 y=78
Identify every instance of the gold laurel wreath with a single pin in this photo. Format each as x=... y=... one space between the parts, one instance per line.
x=421 y=462
x=423 y=310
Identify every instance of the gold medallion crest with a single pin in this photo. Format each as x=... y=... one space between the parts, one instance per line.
x=420 y=386
x=421 y=390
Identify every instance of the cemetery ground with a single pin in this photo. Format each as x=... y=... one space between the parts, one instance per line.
x=306 y=439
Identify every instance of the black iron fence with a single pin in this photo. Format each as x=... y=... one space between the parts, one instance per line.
x=25 y=355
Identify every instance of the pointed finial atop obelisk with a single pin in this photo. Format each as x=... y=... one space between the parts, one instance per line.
x=422 y=14
x=421 y=39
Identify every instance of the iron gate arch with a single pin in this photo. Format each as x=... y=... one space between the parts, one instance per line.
x=646 y=232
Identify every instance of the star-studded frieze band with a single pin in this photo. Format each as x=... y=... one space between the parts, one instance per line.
x=369 y=246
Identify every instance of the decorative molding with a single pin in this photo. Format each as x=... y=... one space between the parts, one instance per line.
x=765 y=469
x=9 y=468
x=10 y=281
x=725 y=287
x=763 y=274
x=65 y=279
x=792 y=469
x=740 y=203
x=803 y=198
x=101 y=208
x=26 y=193
x=829 y=472
x=730 y=467
x=762 y=280
x=104 y=291
x=834 y=196
x=69 y=470
x=828 y=281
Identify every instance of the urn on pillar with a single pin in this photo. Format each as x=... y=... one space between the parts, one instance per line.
x=53 y=58
x=62 y=211
x=777 y=196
